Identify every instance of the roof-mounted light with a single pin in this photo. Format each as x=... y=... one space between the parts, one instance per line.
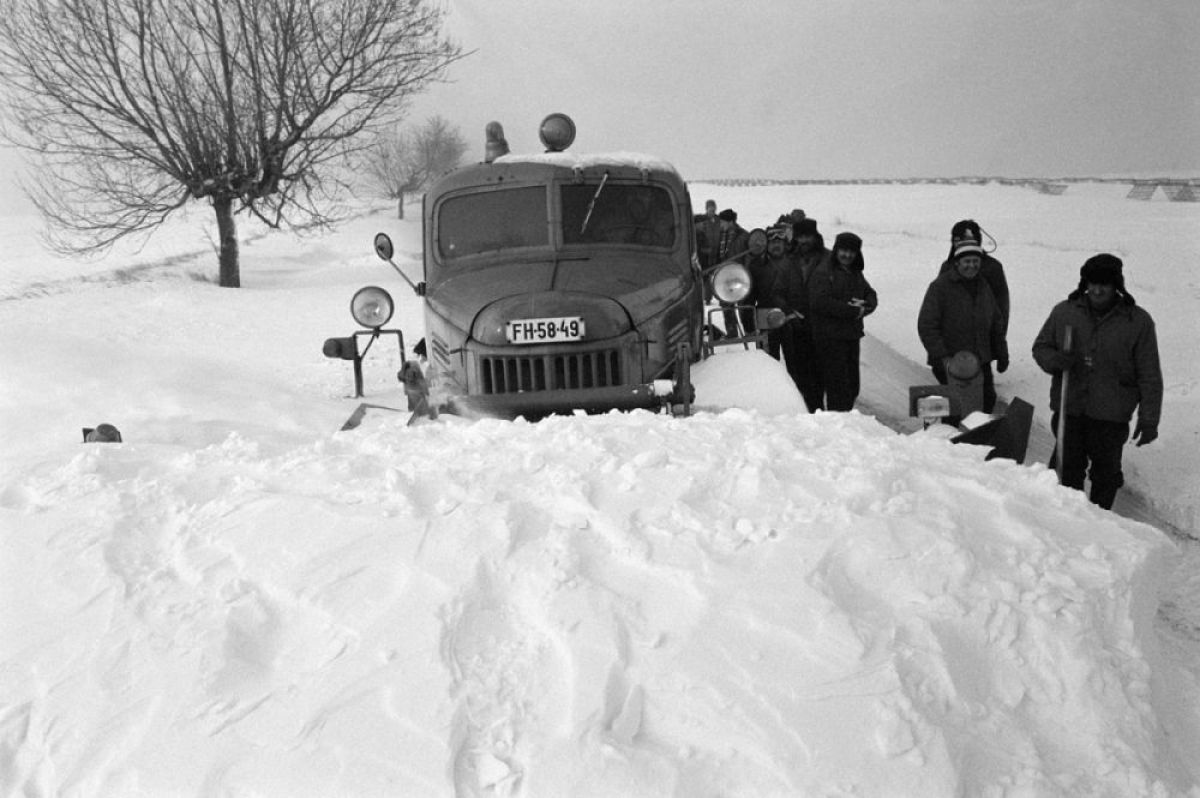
x=496 y=145
x=557 y=132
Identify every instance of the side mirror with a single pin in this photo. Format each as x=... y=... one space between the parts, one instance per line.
x=383 y=246
x=385 y=250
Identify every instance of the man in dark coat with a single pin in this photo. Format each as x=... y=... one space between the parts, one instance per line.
x=779 y=283
x=839 y=297
x=960 y=314
x=991 y=270
x=708 y=233
x=1113 y=369
x=808 y=246
x=733 y=243
x=786 y=287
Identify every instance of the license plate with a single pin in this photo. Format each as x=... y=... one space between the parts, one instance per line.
x=543 y=331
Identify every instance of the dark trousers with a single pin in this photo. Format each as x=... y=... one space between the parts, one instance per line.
x=794 y=342
x=1098 y=444
x=837 y=361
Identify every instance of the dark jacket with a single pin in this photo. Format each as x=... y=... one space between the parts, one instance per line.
x=1124 y=371
x=732 y=244
x=708 y=233
x=809 y=261
x=955 y=317
x=992 y=271
x=831 y=288
x=777 y=283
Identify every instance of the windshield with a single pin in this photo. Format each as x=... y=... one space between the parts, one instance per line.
x=486 y=221
x=611 y=213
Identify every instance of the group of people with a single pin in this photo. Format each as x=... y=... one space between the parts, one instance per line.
x=823 y=293
x=1098 y=345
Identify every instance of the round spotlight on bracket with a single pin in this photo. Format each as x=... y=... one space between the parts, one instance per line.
x=557 y=132
x=731 y=282
x=372 y=307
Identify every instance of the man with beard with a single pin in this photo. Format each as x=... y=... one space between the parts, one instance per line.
x=1112 y=368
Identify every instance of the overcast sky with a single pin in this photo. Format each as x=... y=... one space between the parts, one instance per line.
x=832 y=88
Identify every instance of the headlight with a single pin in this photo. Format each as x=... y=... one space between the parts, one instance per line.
x=371 y=307
x=731 y=282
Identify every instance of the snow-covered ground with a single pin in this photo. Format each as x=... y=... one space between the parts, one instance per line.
x=241 y=600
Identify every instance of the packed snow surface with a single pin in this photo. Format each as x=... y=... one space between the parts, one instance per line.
x=239 y=599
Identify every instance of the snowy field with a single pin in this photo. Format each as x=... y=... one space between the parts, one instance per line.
x=240 y=600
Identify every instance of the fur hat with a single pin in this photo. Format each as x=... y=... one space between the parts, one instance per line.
x=966 y=247
x=727 y=215
x=805 y=227
x=853 y=243
x=1104 y=269
x=848 y=241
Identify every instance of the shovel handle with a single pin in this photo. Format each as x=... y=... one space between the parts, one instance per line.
x=1061 y=432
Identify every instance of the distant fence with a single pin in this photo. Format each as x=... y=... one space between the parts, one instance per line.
x=1185 y=190
x=1176 y=190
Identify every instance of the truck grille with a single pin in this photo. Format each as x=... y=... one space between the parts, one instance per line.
x=516 y=373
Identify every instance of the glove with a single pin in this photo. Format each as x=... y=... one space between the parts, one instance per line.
x=1145 y=433
x=1002 y=365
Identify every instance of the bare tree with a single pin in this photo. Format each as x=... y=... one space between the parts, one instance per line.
x=133 y=108
x=402 y=161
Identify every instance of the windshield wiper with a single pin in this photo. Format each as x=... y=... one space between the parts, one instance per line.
x=592 y=205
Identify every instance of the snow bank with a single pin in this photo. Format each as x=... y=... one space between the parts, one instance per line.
x=617 y=605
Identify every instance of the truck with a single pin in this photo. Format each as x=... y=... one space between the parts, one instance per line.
x=557 y=282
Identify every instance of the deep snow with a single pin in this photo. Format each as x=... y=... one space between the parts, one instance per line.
x=240 y=600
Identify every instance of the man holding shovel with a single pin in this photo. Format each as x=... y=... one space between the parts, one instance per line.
x=1102 y=351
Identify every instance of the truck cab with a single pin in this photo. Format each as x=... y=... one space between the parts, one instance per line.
x=556 y=281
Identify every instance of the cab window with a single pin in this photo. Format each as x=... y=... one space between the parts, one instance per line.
x=617 y=214
x=487 y=221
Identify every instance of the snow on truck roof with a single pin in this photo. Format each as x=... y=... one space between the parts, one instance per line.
x=573 y=160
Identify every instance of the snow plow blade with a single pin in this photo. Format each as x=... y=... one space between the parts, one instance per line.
x=356 y=417
x=590 y=400
x=1008 y=435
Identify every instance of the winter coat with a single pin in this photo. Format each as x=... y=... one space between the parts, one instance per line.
x=831 y=288
x=732 y=244
x=992 y=271
x=708 y=234
x=1117 y=367
x=778 y=283
x=954 y=318
x=809 y=261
